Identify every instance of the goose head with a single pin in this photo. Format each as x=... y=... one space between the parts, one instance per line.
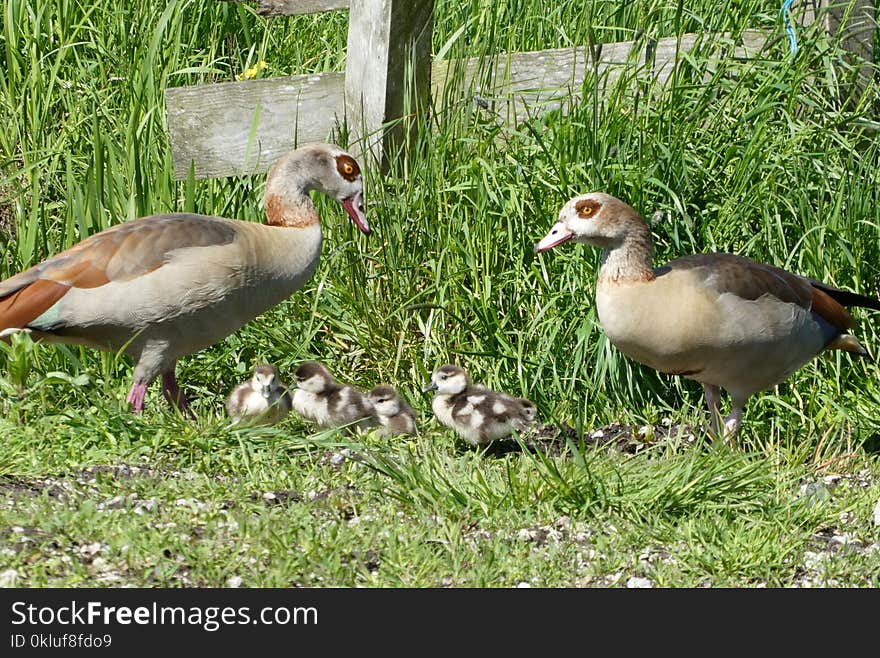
x=325 y=168
x=597 y=218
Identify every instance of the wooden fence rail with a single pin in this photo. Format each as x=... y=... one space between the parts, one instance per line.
x=298 y=7
x=233 y=128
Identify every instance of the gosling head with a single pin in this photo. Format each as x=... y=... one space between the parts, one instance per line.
x=529 y=410
x=386 y=400
x=313 y=377
x=265 y=380
x=448 y=380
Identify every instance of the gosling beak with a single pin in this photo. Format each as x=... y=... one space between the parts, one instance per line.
x=432 y=386
x=557 y=235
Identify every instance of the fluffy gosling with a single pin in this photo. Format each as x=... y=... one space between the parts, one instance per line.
x=320 y=398
x=396 y=416
x=261 y=399
x=477 y=414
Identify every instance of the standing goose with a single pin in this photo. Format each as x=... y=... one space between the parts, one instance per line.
x=164 y=286
x=477 y=414
x=263 y=398
x=723 y=320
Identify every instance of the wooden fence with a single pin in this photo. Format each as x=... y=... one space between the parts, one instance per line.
x=233 y=128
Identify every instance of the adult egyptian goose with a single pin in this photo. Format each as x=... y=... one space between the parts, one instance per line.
x=261 y=399
x=165 y=286
x=395 y=415
x=477 y=414
x=320 y=398
x=723 y=320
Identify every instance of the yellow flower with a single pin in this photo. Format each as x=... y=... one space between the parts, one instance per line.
x=253 y=71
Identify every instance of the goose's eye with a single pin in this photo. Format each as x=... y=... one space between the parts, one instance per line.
x=347 y=168
x=586 y=207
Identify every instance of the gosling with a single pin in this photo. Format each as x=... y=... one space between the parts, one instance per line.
x=395 y=415
x=320 y=398
x=475 y=413
x=261 y=399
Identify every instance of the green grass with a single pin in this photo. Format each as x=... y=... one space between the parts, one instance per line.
x=763 y=157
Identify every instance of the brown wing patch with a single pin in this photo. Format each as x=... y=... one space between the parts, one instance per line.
x=126 y=251
x=150 y=241
x=28 y=303
x=18 y=281
x=77 y=273
x=831 y=311
x=745 y=278
x=587 y=207
x=347 y=167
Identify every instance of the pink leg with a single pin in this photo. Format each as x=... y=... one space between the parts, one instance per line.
x=136 y=397
x=713 y=395
x=732 y=423
x=172 y=391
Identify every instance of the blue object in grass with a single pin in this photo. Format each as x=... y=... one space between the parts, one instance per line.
x=789 y=26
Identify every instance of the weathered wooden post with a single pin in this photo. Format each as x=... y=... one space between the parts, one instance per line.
x=231 y=128
x=387 y=73
x=853 y=23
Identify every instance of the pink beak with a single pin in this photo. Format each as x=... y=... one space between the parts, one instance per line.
x=557 y=235
x=354 y=206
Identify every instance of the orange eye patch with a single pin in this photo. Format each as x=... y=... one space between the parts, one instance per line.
x=586 y=207
x=347 y=167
